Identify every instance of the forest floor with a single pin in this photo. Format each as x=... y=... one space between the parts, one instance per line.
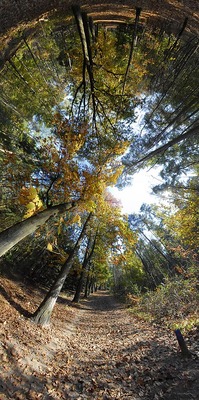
x=96 y=350
x=170 y=12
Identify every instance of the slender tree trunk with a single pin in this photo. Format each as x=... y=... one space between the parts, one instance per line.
x=147 y=269
x=138 y=12
x=86 y=288
x=167 y=258
x=80 y=282
x=86 y=261
x=92 y=28
x=13 y=235
x=189 y=133
x=82 y=275
x=43 y=313
x=86 y=292
x=82 y=25
x=90 y=286
x=182 y=113
x=177 y=39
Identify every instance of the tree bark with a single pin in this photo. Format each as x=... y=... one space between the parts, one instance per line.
x=138 y=12
x=87 y=258
x=147 y=269
x=43 y=313
x=192 y=131
x=167 y=258
x=77 y=295
x=86 y=291
x=82 y=275
x=82 y=25
x=13 y=235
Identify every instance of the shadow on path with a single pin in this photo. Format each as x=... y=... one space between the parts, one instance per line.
x=14 y=304
x=101 y=301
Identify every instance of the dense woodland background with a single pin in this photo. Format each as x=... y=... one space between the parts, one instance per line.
x=73 y=85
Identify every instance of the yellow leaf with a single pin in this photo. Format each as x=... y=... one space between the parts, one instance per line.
x=29 y=198
x=32 y=193
x=49 y=247
x=77 y=220
x=30 y=206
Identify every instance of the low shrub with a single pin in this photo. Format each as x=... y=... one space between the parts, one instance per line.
x=174 y=302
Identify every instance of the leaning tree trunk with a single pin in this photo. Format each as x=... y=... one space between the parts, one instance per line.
x=80 y=282
x=138 y=12
x=43 y=313
x=183 y=136
x=13 y=235
x=82 y=25
x=82 y=275
x=86 y=262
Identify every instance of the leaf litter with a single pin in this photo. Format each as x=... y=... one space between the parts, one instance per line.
x=96 y=350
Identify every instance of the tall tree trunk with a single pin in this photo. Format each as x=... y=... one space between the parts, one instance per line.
x=166 y=257
x=138 y=12
x=86 y=291
x=79 y=286
x=87 y=258
x=92 y=29
x=13 y=235
x=147 y=269
x=82 y=25
x=82 y=275
x=43 y=313
x=189 y=133
x=90 y=286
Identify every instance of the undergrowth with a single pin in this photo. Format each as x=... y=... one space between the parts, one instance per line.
x=174 y=303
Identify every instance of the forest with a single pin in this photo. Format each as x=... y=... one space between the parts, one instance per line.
x=86 y=102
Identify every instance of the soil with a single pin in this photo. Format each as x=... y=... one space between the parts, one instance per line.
x=96 y=350
x=22 y=18
x=172 y=12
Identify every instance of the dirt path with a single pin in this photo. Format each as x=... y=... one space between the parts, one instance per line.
x=116 y=356
x=97 y=351
x=172 y=12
